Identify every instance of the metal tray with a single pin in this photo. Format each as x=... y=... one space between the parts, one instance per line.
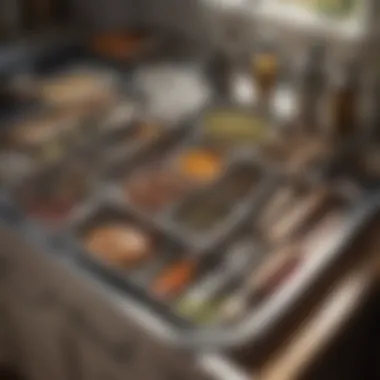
x=256 y=324
x=211 y=255
x=262 y=319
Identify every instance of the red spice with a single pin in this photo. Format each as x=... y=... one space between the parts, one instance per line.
x=174 y=279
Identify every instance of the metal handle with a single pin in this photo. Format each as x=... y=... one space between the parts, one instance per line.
x=323 y=326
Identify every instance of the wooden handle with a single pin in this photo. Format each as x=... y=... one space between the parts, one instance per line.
x=322 y=327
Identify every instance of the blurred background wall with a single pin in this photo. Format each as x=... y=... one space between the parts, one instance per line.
x=182 y=15
x=26 y=15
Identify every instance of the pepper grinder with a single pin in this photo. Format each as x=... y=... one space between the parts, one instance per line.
x=220 y=73
x=230 y=30
x=312 y=89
